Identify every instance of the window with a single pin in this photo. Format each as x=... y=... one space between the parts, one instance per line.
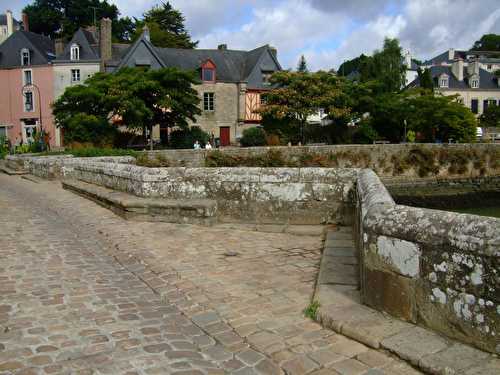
x=28 y=102
x=489 y=67
x=208 y=101
x=27 y=77
x=443 y=82
x=3 y=131
x=75 y=75
x=208 y=75
x=474 y=104
x=265 y=78
x=25 y=57
x=474 y=83
x=75 y=52
x=262 y=100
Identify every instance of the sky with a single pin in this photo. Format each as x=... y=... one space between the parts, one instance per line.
x=327 y=32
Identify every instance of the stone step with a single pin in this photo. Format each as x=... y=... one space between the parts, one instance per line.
x=131 y=207
x=11 y=172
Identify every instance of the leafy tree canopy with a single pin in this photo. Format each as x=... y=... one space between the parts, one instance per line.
x=302 y=65
x=491 y=117
x=488 y=42
x=425 y=79
x=166 y=27
x=353 y=65
x=139 y=98
x=61 y=18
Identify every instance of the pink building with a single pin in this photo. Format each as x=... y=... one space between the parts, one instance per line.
x=26 y=87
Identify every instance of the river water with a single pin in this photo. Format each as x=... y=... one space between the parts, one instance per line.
x=493 y=211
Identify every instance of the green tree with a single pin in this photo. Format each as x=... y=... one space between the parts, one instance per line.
x=139 y=98
x=353 y=65
x=253 y=137
x=166 y=27
x=298 y=95
x=488 y=42
x=385 y=67
x=302 y=65
x=61 y=18
x=425 y=79
x=491 y=117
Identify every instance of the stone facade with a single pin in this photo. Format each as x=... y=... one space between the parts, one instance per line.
x=429 y=267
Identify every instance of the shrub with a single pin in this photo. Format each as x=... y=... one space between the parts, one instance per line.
x=185 y=138
x=4 y=147
x=157 y=161
x=253 y=137
x=365 y=133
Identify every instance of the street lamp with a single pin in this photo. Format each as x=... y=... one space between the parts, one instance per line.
x=28 y=88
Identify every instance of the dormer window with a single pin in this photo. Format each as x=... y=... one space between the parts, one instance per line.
x=25 y=57
x=474 y=83
x=266 y=77
x=75 y=52
x=208 y=71
x=444 y=81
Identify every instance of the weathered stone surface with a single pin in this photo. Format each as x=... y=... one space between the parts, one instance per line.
x=390 y=292
x=453 y=359
x=414 y=343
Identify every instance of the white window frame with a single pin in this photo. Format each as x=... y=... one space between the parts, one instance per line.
x=73 y=80
x=23 y=51
x=74 y=52
x=24 y=76
x=24 y=134
x=209 y=108
x=474 y=83
x=444 y=82
x=25 y=101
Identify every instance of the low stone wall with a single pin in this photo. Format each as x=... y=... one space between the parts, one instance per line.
x=430 y=267
x=387 y=160
x=57 y=166
x=250 y=195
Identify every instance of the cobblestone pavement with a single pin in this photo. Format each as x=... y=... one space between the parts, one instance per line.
x=84 y=292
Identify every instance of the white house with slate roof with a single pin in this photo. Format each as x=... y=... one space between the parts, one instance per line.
x=477 y=87
x=8 y=24
x=232 y=81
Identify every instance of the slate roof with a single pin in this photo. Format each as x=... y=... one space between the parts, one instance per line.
x=443 y=58
x=41 y=47
x=3 y=20
x=232 y=65
x=487 y=80
x=88 y=47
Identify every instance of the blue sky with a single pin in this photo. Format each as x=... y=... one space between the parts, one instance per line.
x=327 y=31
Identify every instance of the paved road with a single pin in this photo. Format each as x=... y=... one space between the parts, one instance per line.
x=85 y=292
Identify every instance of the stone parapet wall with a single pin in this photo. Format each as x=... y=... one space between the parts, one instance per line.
x=252 y=195
x=387 y=160
x=434 y=268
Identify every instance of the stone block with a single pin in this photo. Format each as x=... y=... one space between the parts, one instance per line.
x=452 y=360
x=389 y=292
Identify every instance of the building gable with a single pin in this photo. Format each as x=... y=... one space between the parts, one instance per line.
x=265 y=65
x=142 y=53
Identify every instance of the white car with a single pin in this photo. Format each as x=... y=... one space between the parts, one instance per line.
x=479 y=132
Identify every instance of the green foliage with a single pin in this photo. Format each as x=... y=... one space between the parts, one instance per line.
x=302 y=65
x=185 y=138
x=272 y=158
x=491 y=117
x=253 y=137
x=298 y=95
x=353 y=65
x=4 y=147
x=166 y=27
x=365 y=133
x=425 y=79
x=139 y=98
x=411 y=136
x=385 y=67
x=488 y=42
x=61 y=18
x=311 y=311
x=156 y=161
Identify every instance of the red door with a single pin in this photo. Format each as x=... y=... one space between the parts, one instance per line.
x=224 y=135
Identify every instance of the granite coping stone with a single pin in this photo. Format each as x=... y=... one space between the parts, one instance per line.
x=340 y=309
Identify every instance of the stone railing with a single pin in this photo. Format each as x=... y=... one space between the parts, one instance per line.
x=263 y=195
x=434 y=268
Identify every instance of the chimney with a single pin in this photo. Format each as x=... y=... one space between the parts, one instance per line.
x=59 y=46
x=145 y=33
x=10 y=23
x=26 y=24
x=105 y=41
x=222 y=47
x=273 y=51
x=451 y=54
x=457 y=68
x=473 y=67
